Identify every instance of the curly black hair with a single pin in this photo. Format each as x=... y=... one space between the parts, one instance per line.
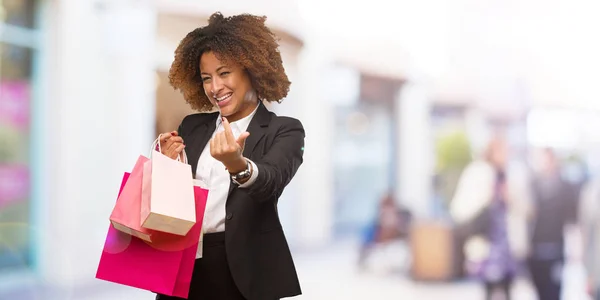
x=244 y=39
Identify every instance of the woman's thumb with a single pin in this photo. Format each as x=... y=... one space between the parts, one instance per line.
x=241 y=140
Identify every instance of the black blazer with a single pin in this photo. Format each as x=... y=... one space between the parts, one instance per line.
x=257 y=251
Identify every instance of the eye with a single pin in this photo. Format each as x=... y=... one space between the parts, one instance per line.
x=225 y=73
x=204 y=79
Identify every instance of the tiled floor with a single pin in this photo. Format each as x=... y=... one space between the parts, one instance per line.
x=331 y=274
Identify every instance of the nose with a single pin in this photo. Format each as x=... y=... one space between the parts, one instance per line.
x=216 y=86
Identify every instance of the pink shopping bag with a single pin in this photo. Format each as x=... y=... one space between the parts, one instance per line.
x=125 y=216
x=164 y=266
x=167 y=194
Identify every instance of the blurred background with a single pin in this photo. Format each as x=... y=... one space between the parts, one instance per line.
x=432 y=128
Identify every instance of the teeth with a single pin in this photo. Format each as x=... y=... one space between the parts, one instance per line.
x=223 y=98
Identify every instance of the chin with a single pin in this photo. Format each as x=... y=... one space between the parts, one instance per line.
x=225 y=112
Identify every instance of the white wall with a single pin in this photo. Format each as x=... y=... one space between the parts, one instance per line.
x=415 y=165
x=313 y=184
x=99 y=117
x=281 y=14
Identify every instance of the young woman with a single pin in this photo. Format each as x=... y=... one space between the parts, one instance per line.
x=245 y=154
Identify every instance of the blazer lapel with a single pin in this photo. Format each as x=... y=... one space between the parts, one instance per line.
x=200 y=137
x=257 y=129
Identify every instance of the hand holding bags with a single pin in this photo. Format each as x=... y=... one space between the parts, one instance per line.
x=158 y=196
x=164 y=268
x=167 y=194
x=153 y=238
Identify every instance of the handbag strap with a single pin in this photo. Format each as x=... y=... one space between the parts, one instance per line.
x=156 y=147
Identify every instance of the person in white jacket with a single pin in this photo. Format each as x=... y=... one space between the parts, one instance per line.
x=490 y=208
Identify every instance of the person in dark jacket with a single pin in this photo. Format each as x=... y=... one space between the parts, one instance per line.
x=555 y=206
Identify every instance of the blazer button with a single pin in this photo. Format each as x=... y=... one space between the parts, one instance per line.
x=229 y=216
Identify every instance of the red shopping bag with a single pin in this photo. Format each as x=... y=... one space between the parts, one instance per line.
x=164 y=266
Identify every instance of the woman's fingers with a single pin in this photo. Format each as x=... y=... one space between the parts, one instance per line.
x=224 y=148
x=213 y=147
x=174 y=150
x=218 y=143
x=171 y=143
x=178 y=150
x=227 y=132
x=173 y=140
x=224 y=140
x=165 y=136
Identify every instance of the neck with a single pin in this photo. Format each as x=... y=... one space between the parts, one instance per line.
x=242 y=113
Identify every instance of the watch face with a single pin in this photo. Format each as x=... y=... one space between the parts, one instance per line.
x=242 y=175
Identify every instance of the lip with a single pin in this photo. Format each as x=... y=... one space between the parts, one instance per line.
x=224 y=102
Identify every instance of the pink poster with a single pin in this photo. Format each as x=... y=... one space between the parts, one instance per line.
x=14 y=184
x=14 y=103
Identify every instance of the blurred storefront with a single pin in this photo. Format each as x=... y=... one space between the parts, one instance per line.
x=19 y=48
x=393 y=99
x=366 y=149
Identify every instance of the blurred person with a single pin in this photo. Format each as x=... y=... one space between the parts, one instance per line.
x=391 y=223
x=555 y=207
x=245 y=154
x=490 y=207
x=589 y=220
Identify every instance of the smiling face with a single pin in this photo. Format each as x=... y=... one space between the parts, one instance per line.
x=228 y=86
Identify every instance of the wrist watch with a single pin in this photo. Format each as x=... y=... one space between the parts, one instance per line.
x=237 y=177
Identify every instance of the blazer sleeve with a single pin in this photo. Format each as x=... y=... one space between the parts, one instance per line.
x=279 y=165
x=182 y=132
x=181 y=128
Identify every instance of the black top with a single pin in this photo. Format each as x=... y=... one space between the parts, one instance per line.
x=555 y=205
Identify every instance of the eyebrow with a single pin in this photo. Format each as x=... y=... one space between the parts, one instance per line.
x=219 y=68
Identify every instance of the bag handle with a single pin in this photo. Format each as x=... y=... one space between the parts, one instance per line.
x=156 y=147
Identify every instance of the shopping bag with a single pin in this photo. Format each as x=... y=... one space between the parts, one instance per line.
x=125 y=216
x=167 y=194
x=165 y=267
